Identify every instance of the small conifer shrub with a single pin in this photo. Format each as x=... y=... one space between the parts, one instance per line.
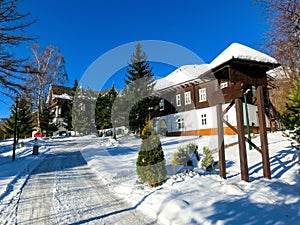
x=183 y=156
x=207 y=161
x=151 y=163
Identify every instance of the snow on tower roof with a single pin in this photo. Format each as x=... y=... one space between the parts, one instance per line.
x=239 y=51
x=197 y=72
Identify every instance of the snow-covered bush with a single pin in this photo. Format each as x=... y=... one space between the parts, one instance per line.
x=180 y=157
x=207 y=161
x=151 y=163
x=192 y=149
x=185 y=155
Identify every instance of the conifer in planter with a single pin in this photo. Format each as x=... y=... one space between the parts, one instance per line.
x=151 y=164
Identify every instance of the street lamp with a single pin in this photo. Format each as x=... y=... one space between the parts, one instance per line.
x=15 y=131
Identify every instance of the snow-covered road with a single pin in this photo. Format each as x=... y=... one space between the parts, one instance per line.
x=64 y=190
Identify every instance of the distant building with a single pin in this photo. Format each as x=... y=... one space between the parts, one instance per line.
x=60 y=96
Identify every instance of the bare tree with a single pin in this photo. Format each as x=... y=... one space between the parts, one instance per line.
x=45 y=68
x=12 y=25
x=283 y=42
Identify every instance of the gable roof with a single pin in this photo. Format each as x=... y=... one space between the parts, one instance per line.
x=60 y=90
x=239 y=51
x=202 y=72
x=182 y=75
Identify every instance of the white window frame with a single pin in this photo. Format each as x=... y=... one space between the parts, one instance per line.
x=202 y=95
x=178 y=100
x=204 y=119
x=180 y=123
x=187 y=98
x=223 y=85
x=161 y=105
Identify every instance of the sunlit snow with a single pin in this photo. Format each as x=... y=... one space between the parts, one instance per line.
x=198 y=197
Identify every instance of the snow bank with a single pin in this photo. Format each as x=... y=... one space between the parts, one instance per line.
x=203 y=197
x=13 y=175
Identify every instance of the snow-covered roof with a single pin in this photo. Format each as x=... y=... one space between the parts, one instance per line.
x=192 y=72
x=63 y=96
x=281 y=73
x=239 y=51
x=181 y=75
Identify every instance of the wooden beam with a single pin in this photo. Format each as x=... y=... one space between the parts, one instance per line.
x=236 y=131
x=241 y=139
x=227 y=108
x=263 y=132
x=221 y=147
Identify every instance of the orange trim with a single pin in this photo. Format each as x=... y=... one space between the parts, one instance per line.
x=209 y=131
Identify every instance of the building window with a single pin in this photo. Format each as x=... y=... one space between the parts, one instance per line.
x=178 y=100
x=180 y=123
x=187 y=98
x=203 y=119
x=202 y=95
x=223 y=85
x=161 y=105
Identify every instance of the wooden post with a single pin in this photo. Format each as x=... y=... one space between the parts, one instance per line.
x=221 y=148
x=263 y=132
x=241 y=139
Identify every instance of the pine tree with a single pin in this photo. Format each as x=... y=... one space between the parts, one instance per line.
x=68 y=114
x=103 y=109
x=207 y=160
x=291 y=116
x=83 y=111
x=140 y=82
x=21 y=110
x=151 y=164
x=46 y=120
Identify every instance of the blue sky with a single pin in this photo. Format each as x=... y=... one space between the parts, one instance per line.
x=86 y=29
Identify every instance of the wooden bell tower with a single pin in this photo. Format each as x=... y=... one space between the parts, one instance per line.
x=241 y=75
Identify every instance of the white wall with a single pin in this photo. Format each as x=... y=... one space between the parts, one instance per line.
x=193 y=118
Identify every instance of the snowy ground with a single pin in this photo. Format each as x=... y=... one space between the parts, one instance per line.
x=197 y=198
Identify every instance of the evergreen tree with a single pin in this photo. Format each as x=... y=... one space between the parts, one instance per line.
x=103 y=109
x=68 y=114
x=208 y=159
x=83 y=111
x=46 y=120
x=21 y=111
x=151 y=164
x=140 y=82
x=291 y=116
x=2 y=134
x=79 y=119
